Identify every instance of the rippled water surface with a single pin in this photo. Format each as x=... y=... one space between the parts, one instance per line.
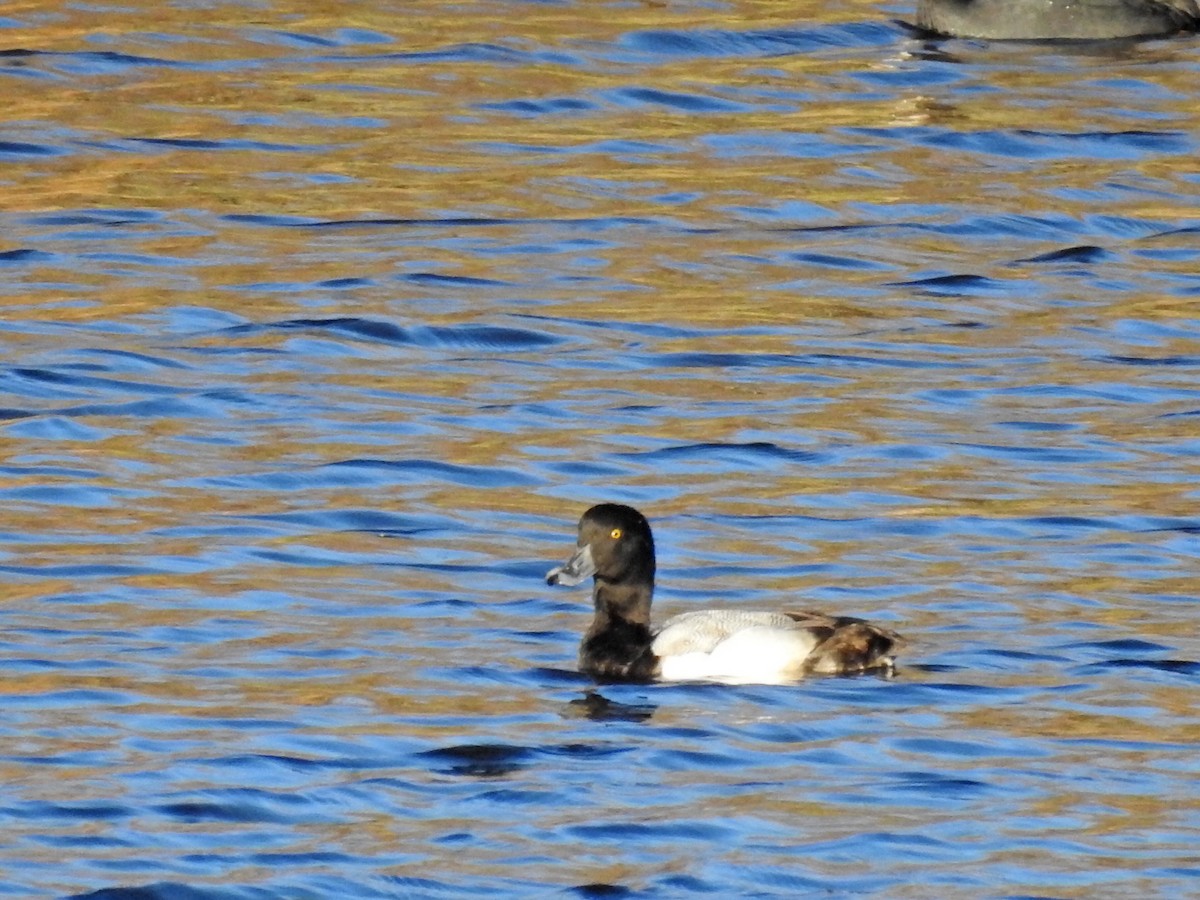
x=322 y=323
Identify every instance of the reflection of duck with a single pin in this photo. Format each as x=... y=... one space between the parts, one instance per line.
x=599 y=708
x=1057 y=19
x=617 y=548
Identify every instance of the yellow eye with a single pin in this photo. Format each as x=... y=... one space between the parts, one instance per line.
x=615 y=534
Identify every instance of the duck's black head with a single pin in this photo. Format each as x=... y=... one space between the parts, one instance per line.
x=616 y=548
x=615 y=545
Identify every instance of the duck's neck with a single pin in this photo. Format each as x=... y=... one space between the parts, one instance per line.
x=617 y=645
x=622 y=601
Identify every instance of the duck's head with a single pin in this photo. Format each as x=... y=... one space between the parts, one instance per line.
x=615 y=545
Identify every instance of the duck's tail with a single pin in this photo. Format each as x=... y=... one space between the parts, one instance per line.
x=849 y=645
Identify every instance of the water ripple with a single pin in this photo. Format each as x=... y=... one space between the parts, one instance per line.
x=315 y=352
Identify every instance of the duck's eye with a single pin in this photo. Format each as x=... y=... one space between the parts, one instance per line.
x=615 y=534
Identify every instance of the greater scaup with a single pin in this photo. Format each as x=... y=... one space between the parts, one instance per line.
x=1057 y=19
x=617 y=548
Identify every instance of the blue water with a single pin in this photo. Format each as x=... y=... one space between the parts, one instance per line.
x=321 y=327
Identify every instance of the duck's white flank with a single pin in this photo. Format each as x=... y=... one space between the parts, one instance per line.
x=733 y=646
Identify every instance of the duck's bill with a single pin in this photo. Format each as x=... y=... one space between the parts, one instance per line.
x=576 y=569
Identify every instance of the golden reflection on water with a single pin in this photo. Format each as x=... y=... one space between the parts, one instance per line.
x=410 y=139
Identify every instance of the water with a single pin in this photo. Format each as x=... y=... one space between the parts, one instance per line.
x=322 y=324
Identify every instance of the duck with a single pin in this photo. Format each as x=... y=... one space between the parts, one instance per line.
x=1085 y=20
x=615 y=548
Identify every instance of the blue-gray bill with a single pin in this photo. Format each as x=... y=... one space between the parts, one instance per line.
x=575 y=570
